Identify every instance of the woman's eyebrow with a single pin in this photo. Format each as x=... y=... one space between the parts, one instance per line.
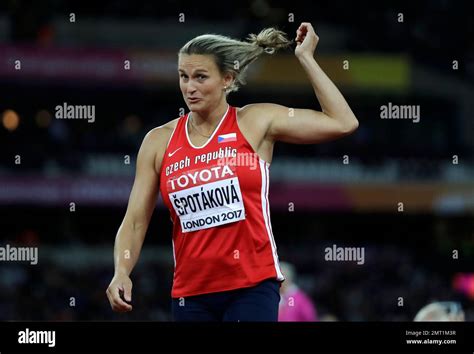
x=195 y=72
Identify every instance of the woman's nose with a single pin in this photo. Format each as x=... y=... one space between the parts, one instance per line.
x=190 y=88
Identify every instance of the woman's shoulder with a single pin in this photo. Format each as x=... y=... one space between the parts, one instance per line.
x=255 y=114
x=163 y=131
x=169 y=125
x=158 y=137
x=260 y=110
x=156 y=140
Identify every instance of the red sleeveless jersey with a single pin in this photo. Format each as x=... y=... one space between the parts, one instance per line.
x=217 y=195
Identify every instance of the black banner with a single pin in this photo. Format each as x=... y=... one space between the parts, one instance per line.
x=140 y=337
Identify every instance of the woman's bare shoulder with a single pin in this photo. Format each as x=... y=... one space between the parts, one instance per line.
x=255 y=114
x=156 y=141
x=162 y=133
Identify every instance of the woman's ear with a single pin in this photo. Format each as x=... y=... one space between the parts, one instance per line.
x=228 y=80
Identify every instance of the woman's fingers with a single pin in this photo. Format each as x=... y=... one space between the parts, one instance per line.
x=116 y=302
x=302 y=31
x=306 y=39
x=119 y=304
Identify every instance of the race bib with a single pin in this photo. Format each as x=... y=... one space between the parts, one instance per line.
x=206 y=197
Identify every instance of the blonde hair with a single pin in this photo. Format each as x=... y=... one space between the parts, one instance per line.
x=234 y=56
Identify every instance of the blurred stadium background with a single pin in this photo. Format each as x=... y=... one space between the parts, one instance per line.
x=317 y=200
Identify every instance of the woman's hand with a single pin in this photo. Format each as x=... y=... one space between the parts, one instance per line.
x=306 y=40
x=120 y=289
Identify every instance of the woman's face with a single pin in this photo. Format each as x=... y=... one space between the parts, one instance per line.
x=201 y=82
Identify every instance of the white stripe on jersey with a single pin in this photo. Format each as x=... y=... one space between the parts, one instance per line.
x=264 y=172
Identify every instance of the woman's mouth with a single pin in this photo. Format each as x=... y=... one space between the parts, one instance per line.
x=193 y=100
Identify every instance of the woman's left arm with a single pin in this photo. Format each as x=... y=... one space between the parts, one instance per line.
x=306 y=126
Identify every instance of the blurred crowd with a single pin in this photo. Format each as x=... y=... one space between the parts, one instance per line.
x=431 y=39
x=393 y=287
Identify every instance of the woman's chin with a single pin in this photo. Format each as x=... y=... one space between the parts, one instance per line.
x=194 y=106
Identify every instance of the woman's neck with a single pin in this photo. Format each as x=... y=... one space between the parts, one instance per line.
x=208 y=120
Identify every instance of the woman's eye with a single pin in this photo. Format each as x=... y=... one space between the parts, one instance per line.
x=202 y=77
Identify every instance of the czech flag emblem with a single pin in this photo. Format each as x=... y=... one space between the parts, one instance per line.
x=225 y=138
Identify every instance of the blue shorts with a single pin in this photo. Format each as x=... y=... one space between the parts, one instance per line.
x=257 y=303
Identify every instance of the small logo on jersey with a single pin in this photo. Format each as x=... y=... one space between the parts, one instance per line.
x=174 y=152
x=225 y=138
